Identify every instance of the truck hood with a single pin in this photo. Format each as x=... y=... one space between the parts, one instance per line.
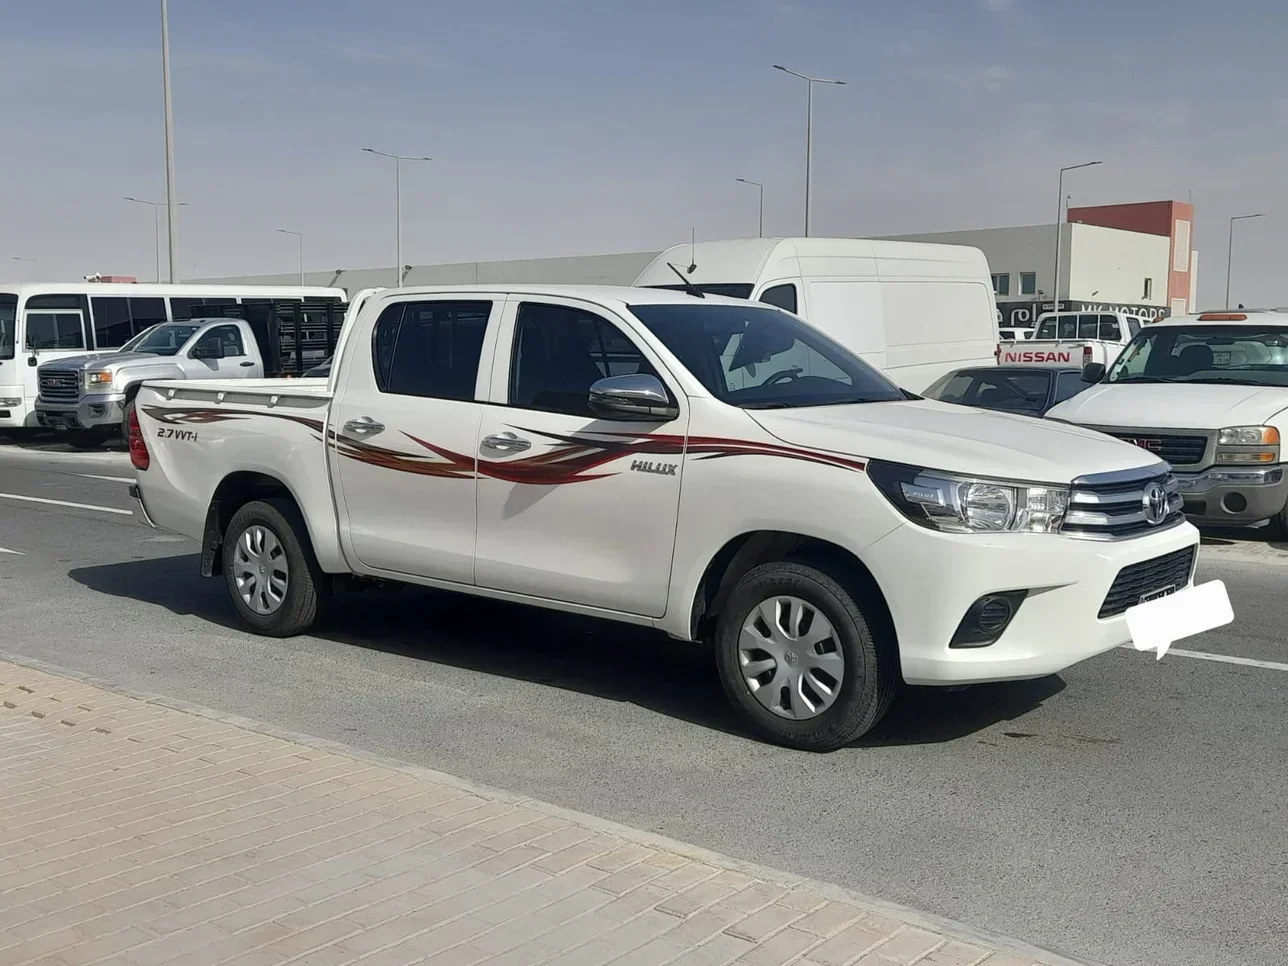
x=96 y=360
x=955 y=439
x=1171 y=406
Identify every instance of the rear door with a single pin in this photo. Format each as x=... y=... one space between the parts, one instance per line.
x=573 y=507
x=404 y=429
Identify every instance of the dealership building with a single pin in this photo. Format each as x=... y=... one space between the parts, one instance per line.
x=1137 y=258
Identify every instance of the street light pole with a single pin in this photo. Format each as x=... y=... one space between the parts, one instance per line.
x=397 y=159
x=1059 y=228
x=156 y=228
x=171 y=206
x=757 y=184
x=299 y=235
x=809 y=129
x=1229 y=255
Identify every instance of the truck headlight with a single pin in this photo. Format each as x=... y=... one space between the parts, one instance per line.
x=98 y=380
x=10 y=401
x=1247 y=444
x=960 y=504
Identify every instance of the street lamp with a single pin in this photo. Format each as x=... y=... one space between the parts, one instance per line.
x=1229 y=255
x=300 y=238
x=1059 y=220
x=757 y=184
x=397 y=159
x=809 y=128
x=171 y=204
x=156 y=230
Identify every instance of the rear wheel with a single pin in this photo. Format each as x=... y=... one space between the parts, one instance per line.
x=798 y=657
x=271 y=574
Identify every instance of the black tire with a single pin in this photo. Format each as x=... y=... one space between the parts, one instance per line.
x=871 y=665
x=308 y=589
x=126 y=413
x=1277 y=528
x=84 y=438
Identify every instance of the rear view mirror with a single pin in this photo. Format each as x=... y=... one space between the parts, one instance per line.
x=1093 y=372
x=639 y=397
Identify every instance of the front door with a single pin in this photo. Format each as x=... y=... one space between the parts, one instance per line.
x=572 y=507
x=405 y=422
x=235 y=363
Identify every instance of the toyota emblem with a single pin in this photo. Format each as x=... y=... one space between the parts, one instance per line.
x=1154 y=504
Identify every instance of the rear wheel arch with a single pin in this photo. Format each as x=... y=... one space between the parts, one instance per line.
x=234 y=491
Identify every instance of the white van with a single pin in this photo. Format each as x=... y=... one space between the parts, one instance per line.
x=913 y=310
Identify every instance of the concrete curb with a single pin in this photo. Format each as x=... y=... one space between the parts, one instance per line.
x=947 y=927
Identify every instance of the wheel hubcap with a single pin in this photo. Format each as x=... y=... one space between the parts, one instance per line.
x=790 y=658
x=260 y=570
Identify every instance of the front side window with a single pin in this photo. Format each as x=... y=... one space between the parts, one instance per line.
x=560 y=352
x=229 y=336
x=1028 y=283
x=1241 y=355
x=8 y=324
x=1110 y=331
x=760 y=358
x=55 y=330
x=430 y=349
x=783 y=296
x=1068 y=385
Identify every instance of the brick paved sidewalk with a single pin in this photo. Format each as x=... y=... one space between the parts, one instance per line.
x=137 y=834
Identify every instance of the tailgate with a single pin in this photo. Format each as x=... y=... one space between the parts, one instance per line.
x=1041 y=353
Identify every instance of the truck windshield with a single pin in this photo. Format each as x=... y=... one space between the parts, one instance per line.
x=164 y=340
x=1241 y=355
x=759 y=357
x=8 y=322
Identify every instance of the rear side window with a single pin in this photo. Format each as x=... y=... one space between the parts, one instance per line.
x=430 y=349
x=782 y=296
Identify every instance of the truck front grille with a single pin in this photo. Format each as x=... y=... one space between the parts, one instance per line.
x=59 y=385
x=1167 y=573
x=1176 y=450
x=1117 y=506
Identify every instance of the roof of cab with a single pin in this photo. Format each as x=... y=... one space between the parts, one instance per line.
x=1246 y=317
x=604 y=294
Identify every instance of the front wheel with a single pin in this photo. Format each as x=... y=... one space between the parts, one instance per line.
x=1277 y=529
x=271 y=574
x=798 y=657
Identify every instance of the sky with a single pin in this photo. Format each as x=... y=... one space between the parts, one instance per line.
x=567 y=127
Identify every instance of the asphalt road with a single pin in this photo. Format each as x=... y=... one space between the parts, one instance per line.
x=1128 y=811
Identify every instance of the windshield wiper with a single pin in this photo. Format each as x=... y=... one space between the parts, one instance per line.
x=1158 y=379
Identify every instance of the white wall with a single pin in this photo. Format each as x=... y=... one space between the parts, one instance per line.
x=1029 y=248
x=1194 y=281
x=1110 y=265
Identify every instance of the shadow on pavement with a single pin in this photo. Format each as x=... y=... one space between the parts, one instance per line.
x=604 y=659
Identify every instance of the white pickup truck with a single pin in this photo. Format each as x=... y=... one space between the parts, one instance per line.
x=710 y=467
x=1072 y=339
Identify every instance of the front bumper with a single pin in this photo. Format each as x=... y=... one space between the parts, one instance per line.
x=1233 y=495
x=930 y=579
x=97 y=411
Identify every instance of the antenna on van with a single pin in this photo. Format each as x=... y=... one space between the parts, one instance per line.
x=693 y=244
x=688 y=285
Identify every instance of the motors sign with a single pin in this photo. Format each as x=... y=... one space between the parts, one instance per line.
x=1012 y=315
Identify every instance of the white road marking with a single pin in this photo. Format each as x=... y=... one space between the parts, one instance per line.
x=1223 y=658
x=77 y=506
x=110 y=479
x=16 y=553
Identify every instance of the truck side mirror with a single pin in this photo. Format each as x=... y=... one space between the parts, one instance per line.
x=208 y=349
x=640 y=397
x=1093 y=372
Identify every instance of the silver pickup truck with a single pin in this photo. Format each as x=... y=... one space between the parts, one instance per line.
x=91 y=396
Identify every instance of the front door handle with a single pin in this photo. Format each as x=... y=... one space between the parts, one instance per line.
x=363 y=426
x=507 y=443
x=245 y=365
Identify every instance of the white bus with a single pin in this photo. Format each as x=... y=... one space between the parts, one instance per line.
x=41 y=321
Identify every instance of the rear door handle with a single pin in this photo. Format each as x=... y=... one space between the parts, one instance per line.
x=363 y=426
x=507 y=443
